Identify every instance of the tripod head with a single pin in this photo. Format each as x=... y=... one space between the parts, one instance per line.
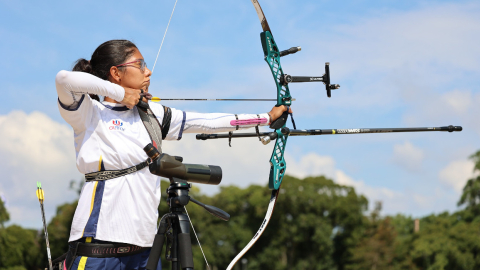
x=178 y=197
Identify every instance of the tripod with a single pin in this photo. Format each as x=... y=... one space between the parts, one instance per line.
x=175 y=227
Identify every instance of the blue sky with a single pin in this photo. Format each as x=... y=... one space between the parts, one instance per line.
x=399 y=64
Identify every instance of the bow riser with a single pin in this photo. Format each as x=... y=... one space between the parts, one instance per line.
x=278 y=165
x=272 y=57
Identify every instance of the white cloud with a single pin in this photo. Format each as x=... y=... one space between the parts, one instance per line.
x=456 y=174
x=408 y=156
x=458 y=101
x=389 y=58
x=442 y=34
x=35 y=148
x=459 y=106
x=313 y=165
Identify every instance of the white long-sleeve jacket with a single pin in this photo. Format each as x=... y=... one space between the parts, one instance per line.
x=109 y=136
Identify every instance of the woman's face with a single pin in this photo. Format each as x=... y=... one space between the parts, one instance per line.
x=130 y=73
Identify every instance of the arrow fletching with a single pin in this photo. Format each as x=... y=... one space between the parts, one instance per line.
x=40 y=194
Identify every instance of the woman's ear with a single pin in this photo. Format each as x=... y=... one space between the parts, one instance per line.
x=115 y=75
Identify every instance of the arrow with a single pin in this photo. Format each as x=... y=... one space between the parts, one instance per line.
x=157 y=99
x=41 y=198
x=149 y=96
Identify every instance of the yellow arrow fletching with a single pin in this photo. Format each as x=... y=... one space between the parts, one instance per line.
x=155 y=99
x=40 y=194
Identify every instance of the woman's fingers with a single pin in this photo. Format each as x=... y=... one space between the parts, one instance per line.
x=276 y=112
x=131 y=98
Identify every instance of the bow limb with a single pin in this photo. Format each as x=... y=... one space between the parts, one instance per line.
x=271 y=206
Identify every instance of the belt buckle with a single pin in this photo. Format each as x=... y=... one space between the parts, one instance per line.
x=123 y=249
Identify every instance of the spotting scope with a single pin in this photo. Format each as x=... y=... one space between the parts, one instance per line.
x=171 y=167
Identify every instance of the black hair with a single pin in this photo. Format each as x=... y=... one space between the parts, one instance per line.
x=107 y=55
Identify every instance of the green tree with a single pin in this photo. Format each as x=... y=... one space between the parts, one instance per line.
x=404 y=229
x=18 y=247
x=447 y=242
x=4 y=216
x=315 y=219
x=385 y=243
x=376 y=249
x=471 y=192
x=59 y=230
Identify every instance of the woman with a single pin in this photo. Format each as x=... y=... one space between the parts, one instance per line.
x=110 y=135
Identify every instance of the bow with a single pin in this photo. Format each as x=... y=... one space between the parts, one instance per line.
x=277 y=160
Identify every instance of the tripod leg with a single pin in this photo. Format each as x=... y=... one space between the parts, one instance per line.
x=174 y=251
x=157 y=246
x=184 y=243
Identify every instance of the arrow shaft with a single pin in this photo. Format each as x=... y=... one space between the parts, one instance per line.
x=46 y=236
x=41 y=198
x=214 y=99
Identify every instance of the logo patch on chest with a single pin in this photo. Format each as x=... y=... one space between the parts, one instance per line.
x=117 y=125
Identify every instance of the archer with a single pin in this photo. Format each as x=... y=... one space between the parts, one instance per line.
x=116 y=217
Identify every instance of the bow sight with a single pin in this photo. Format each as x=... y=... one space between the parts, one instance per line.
x=272 y=57
x=325 y=78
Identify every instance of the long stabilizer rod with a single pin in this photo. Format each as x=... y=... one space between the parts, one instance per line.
x=310 y=132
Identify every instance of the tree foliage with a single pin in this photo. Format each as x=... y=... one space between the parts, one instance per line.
x=315 y=219
x=4 y=216
x=471 y=192
x=19 y=248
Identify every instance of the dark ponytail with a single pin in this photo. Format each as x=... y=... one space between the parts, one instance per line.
x=107 y=55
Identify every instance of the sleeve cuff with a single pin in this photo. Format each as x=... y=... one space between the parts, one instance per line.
x=267 y=116
x=119 y=94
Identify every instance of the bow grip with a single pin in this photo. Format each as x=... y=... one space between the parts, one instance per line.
x=281 y=121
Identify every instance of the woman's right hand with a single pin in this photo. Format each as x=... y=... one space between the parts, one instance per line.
x=131 y=98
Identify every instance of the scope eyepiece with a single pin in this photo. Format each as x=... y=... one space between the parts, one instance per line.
x=151 y=151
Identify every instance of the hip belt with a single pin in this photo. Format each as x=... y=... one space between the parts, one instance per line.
x=98 y=250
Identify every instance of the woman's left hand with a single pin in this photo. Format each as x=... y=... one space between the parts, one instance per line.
x=276 y=112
